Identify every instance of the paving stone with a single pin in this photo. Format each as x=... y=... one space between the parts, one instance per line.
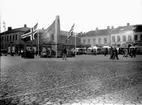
x=95 y=101
x=76 y=104
x=48 y=103
x=118 y=104
x=67 y=104
x=99 y=104
x=108 y=104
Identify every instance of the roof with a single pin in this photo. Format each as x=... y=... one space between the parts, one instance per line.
x=22 y=29
x=138 y=28
x=97 y=33
x=121 y=29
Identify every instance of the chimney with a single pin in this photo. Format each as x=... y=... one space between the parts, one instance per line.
x=9 y=28
x=108 y=27
x=25 y=25
x=96 y=28
x=112 y=27
x=128 y=24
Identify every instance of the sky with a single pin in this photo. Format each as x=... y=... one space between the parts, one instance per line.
x=86 y=14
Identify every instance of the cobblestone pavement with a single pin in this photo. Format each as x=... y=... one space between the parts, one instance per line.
x=84 y=80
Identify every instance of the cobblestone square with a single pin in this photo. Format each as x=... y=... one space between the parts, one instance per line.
x=83 y=80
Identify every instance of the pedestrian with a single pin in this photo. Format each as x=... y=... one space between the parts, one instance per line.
x=105 y=51
x=64 y=53
x=50 y=52
x=92 y=51
x=111 y=53
x=134 y=52
x=115 y=54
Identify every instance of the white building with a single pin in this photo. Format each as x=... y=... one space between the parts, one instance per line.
x=122 y=35
x=97 y=37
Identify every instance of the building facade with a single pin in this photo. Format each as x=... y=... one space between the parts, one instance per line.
x=11 y=39
x=138 y=35
x=97 y=37
x=120 y=36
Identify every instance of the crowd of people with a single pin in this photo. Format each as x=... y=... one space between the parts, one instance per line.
x=112 y=51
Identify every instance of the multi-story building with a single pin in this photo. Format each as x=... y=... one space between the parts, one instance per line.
x=97 y=37
x=138 y=35
x=11 y=39
x=121 y=36
x=126 y=35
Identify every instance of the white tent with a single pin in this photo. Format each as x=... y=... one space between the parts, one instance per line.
x=90 y=48
x=94 y=47
x=106 y=46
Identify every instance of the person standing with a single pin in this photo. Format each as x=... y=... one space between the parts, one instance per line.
x=64 y=54
x=116 y=53
x=134 y=52
x=111 y=53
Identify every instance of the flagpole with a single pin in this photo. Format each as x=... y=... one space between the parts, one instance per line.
x=0 y=24
x=75 y=44
x=38 y=42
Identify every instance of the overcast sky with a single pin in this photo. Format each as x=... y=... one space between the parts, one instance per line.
x=86 y=14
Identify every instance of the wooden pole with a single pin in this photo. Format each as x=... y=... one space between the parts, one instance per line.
x=38 y=42
x=75 y=44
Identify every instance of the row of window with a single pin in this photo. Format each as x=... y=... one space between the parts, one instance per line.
x=136 y=37
x=94 y=41
x=9 y=38
x=119 y=38
x=114 y=39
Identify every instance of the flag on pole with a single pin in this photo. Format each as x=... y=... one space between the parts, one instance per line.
x=4 y=25
x=30 y=34
x=71 y=31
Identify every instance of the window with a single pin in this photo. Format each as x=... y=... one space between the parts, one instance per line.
x=113 y=38
x=135 y=37
x=88 y=41
x=141 y=37
x=1 y=46
x=105 y=40
x=118 y=38
x=94 y=41
x=129 y=38
x=10 y=38
x=84 y=41
x=7 y=37
x=124 y=38
x=13 y=38
x=2 y=38
x=16 y=37
x=99 y=40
